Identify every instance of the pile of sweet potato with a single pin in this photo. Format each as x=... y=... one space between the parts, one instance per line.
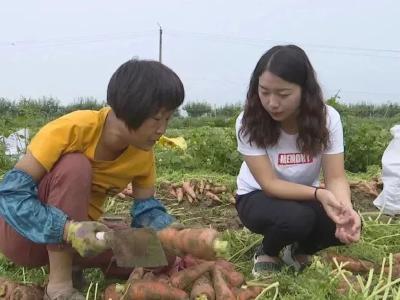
x=192 y=191
x=195 y=191
x=198 y=280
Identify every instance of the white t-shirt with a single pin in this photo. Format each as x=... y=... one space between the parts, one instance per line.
x=287 y=161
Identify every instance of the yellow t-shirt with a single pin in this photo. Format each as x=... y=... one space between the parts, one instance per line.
x=80 y=131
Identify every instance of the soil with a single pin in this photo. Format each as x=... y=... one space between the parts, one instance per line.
x=222 y=215
x=205 y=213
x=363 y=201
x=364 y=193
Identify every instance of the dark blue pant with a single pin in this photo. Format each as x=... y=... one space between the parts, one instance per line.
x=283 y=222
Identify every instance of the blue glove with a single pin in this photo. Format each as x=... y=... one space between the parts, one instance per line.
x=150 y=213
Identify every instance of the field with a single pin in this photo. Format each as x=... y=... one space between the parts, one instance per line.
x=211 y=159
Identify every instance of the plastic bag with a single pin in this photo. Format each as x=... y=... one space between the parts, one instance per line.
x=178 y=142
x=15 y=144
x=389 y=199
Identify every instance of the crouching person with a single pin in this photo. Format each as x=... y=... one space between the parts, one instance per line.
x=51 y=200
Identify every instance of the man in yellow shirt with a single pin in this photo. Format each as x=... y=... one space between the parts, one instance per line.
x=52 y=198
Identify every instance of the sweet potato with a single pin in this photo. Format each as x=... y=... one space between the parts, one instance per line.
x=232 y=199
x=168 y=238
x=112 y=292
x=212 y=196
x=183 y=279
x=344 y=288
x=395 y=270
x=396 y=258
x=232 y=277
x=179 y=194
x=200 y=242
x=189 y=198
x=163 y=278
x=352 y=264
x=256 y=290
x=247 y=293
x=190 y=261
x=172 y=192
x=149 y=276
x=222 y=290
x=202 y=288
x=188 y=189
x=218 y=189
x=201 y=186
x=243 y=294
x=6 y=287
x=136 y=274
x=225 y=264
x=153 y=290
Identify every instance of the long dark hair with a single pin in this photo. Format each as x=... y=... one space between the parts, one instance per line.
x=291 y=64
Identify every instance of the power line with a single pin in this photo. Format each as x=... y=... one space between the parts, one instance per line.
x=55 y=42
x=281 y=41
x=365 y=92
x=261 y=42
x=78 y=40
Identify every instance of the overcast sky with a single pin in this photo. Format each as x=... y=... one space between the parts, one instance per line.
x=69 y=49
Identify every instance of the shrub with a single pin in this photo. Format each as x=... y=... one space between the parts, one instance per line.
x=209 y=148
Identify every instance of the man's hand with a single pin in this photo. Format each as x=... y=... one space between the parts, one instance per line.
x=350 y=231
x=82 y=237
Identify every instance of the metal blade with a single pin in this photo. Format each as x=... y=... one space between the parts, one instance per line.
x=136 y=247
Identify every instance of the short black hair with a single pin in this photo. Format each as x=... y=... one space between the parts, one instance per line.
x=139 y=89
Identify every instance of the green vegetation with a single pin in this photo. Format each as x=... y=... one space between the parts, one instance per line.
x=212 y=155
x=197 y=109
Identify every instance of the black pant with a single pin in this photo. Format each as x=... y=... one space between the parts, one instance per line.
x=283 y=222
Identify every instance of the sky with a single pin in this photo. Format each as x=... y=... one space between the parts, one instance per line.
x=69 y=49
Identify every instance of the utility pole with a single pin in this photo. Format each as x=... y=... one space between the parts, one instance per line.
x=160 y=44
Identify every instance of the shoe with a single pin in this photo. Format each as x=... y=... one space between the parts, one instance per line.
x=264 y=268
x=72 y=294
x=289 y=258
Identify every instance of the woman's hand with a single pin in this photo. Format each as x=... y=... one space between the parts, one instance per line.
x=333 y=208
x=350 y=231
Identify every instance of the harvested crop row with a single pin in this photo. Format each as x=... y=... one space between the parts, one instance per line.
x=199 y=190
x=192 y=191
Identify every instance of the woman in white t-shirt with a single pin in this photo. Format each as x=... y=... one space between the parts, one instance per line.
x=287 y=135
